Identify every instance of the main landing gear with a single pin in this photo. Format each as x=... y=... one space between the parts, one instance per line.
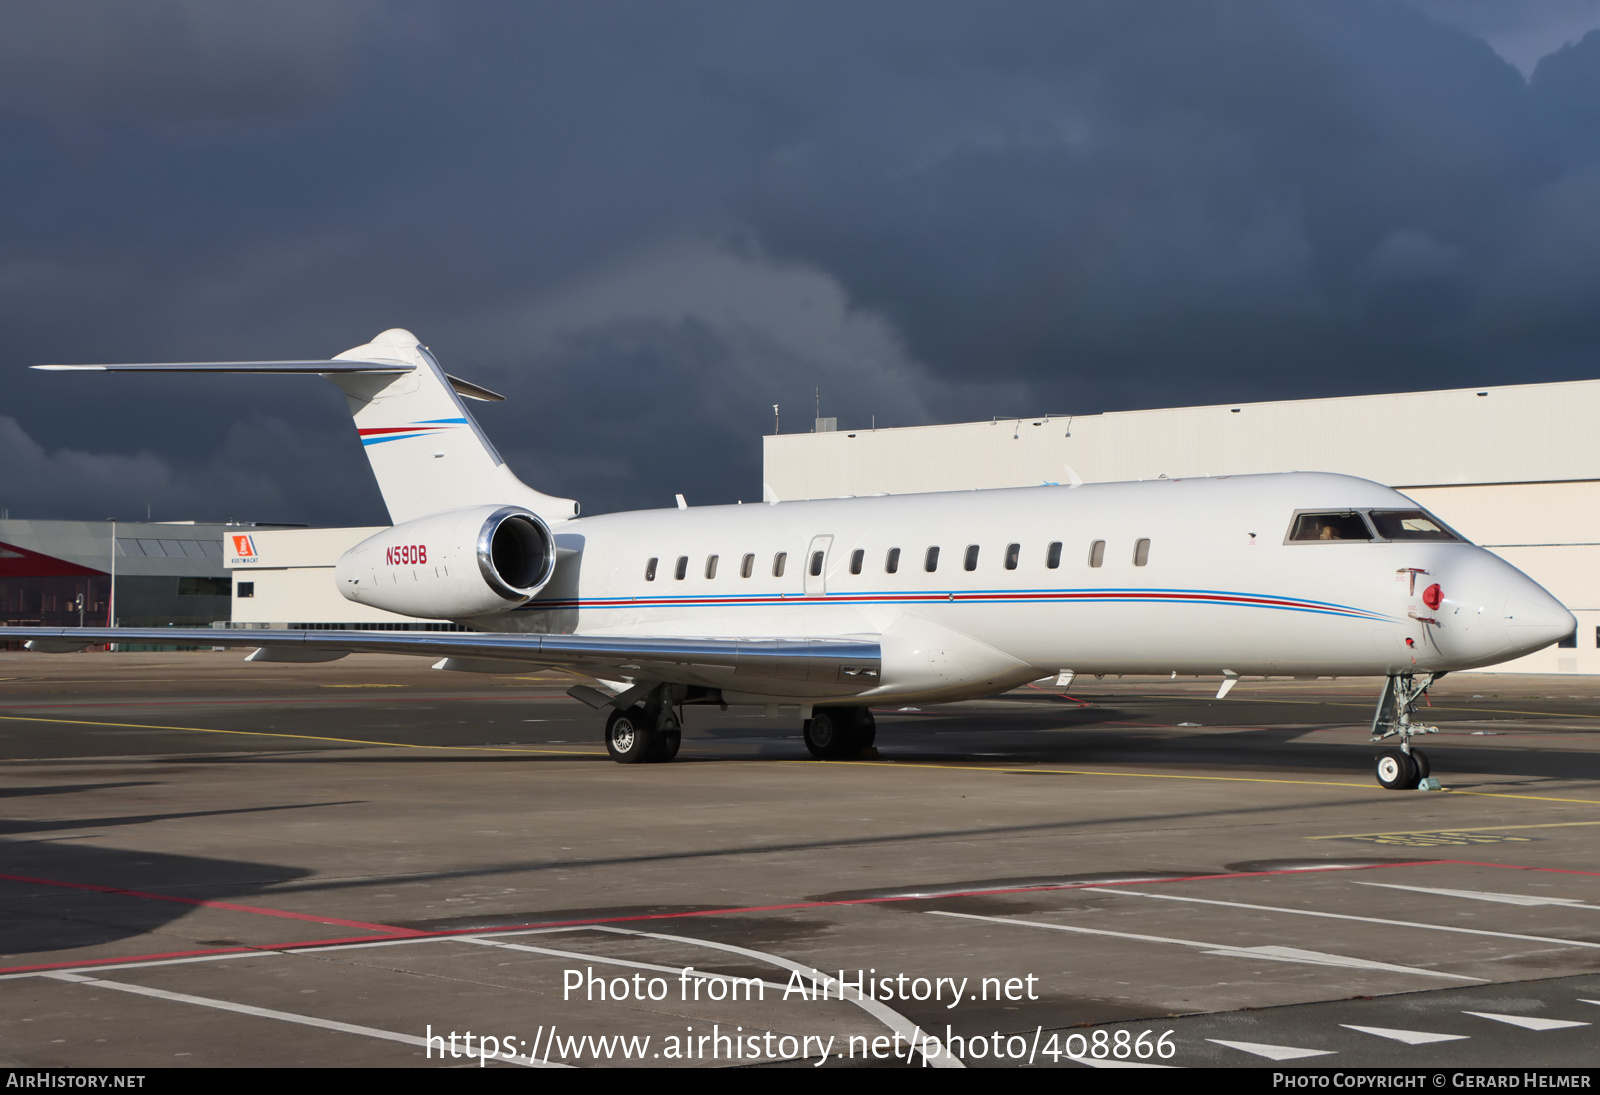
x=1403 y=768
x=636 y=735
x=839 y=733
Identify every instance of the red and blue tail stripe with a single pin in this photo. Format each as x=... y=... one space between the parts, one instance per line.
x=377 y=435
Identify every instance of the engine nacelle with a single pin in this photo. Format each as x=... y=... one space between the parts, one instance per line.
x=465 y=562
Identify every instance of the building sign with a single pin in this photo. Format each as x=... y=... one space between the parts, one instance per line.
x=244 y=549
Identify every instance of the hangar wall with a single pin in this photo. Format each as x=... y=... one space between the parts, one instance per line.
x=288 y=583
x=167 y=572
x=1514 y=468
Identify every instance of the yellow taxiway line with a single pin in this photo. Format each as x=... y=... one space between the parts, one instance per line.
x=304 y=737
x=1169 y=775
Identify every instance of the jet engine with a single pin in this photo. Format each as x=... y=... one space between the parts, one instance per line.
x=466 y=562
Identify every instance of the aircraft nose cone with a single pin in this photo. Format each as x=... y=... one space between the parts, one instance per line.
x=1534 y=619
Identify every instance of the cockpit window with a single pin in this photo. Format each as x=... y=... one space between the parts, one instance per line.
x=1329 y=526
x=1409 y=524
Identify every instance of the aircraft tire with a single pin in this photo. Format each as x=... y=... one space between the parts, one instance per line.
x=1396 y=771
x=866 y=728
x=831 y=734
x=667 y=743
x=630 y=739
x=668 y=737
x=1420 y=759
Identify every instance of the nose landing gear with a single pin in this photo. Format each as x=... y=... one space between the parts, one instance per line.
x=1404 y=768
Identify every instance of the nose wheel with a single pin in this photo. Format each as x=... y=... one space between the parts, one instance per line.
x=1403 y=768
x=1400 y=771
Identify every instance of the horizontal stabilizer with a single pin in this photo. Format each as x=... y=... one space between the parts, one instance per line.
x=312 y=367
x=427 y=452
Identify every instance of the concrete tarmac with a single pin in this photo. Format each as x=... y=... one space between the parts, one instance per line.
x=206 y=862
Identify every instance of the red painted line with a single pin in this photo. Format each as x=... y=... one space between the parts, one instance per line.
x=397 y=934
x=226 y=905
x=302 y=702
x=92 y=962
x=403 y=933
x=1062 y=696
x=1514 y=866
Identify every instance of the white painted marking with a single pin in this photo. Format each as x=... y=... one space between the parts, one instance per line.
x=1274 y=954
x=1486 y=895
x=1581 y=1000
x=268 y=1013
x=1409 y=1037
x=1348 y=916
x=885 y=1015
x=142 y=963
x=1319 y=958
x=602 y=960
x=1275 y=1053
x=1527 y=1022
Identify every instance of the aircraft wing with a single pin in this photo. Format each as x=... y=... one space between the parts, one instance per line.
x=798 y=667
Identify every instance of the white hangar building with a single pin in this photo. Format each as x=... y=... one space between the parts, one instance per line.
x=1515 y=469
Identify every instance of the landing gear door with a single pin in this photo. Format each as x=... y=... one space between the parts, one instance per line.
x=816 y=566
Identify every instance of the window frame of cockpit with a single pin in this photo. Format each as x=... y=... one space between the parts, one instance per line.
x=1365 y=513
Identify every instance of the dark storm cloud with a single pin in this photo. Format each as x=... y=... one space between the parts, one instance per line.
x=648 y=223
x=178 y=63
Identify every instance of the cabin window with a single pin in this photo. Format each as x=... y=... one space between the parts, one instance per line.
x=1013 y=553
x=931 y=562
x=748 y=567
x=1410 y=524
x=891 y=562
x=1141 y=552
x=1097 y=553
x=650 y=570
x=857 y=557
x=971 y=561
x=683 y=567
x=711 y=566
x=816 y=563
x=1052 y=558
x=1312 y=527
x=777 y=563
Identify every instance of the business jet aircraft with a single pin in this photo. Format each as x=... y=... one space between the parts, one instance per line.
x=836 y=605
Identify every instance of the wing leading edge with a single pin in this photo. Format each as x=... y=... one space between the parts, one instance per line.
x=801 y=668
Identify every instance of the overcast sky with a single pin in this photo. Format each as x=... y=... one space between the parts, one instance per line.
x=648 y=222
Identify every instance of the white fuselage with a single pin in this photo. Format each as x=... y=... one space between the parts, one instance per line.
x=1221 y=590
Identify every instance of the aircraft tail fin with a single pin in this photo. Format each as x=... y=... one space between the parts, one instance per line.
x=426 y=450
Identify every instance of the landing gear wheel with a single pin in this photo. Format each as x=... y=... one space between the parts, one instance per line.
x=839 y=733
x=831 y=734
x=668 y=738
x=1420 y=759
x=668 y=746
x=630 y=739
x=1396 y=771
x=866 y=729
